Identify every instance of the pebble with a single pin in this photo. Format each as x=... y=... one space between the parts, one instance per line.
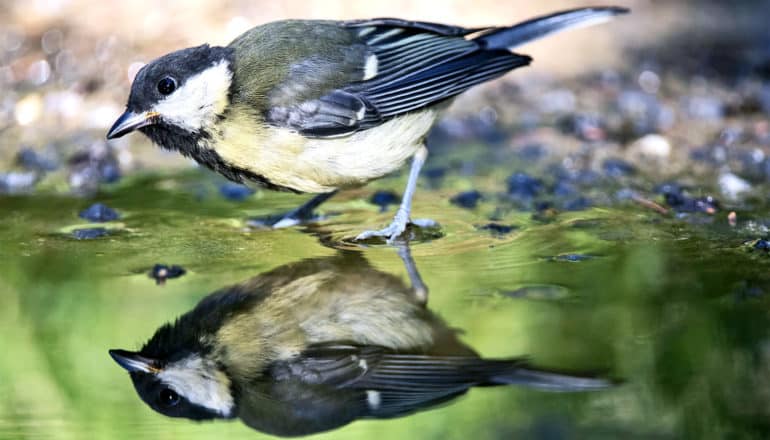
x=30 y=160
x=653 y=145
x=523 y=186
x=733 y=186
x=435 y=176
x=89 y=233
x=467 y=199
x=677 y=199
x=762 y=245
x=497 y=228
x=92 y=167
x=383 y=199
x=161 y=273
x=235 y=192
x=616 y=168
x=99 y=212
x=18 y=182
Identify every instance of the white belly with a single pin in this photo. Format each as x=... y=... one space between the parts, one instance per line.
x=288 y=159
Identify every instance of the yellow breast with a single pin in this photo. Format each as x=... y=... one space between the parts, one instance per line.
x=288 y=159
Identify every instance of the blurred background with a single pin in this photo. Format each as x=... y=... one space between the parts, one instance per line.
x=605 y=209
x=66 y=65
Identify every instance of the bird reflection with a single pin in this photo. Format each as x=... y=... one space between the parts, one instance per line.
x=314 y=345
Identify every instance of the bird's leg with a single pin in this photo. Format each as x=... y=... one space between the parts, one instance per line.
x=418 y=285
x=398 y=225
x=301 y=214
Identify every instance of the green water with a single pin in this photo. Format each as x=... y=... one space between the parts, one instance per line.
x=664 y=305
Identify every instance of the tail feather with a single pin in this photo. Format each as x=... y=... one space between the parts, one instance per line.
x=510 y=37
x=550 y=381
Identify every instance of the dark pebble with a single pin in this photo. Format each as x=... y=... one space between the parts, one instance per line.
x=683 y=203
x=523 y=187
x=89 y=233
x=92 y=167
x=762 y=245
x=675 y=197
x=383 y=199
x=235 y=191
x=467 y=199
x=584 y=126
x=161 y=272
x=435 y=176
x=564 y=188
x=99 y=212
x=29 y=159
x=497 y=228
x=614 y=167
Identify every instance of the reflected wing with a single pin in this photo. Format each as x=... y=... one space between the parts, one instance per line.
x=386 y=384
x=405 y=66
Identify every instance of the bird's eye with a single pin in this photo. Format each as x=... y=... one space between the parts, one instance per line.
x=167 y=85
x=168 y=397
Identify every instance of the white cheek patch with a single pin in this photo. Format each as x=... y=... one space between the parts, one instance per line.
x=195 y=104
x=200 y=382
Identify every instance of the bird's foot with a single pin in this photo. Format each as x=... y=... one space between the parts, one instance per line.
x=396 y=228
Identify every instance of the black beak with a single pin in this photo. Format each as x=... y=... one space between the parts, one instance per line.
x=134 y=362
x=130 y=121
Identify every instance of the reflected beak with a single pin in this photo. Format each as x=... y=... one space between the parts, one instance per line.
x=134 y=362
x=130 y=121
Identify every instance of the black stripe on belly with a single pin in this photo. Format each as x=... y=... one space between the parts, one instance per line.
x=189 y=144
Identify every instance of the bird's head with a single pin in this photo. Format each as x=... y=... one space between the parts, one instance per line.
x=181 y=384
x=178 y=95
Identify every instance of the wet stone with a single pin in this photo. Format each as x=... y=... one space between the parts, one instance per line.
x=235 y=192
x=383 y=199
x=99 y=212
x=762 y=245
x=92 y=167
x=498 y=229
x=29 y=159
x=523 y=186
x=676 y=198
x=89 y=233
x=614 y=167
x=161 y=272
x=467 y=199
x=18 y=182
x=435 y=176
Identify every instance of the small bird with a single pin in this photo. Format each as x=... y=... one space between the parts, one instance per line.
x=315 y=345
x=314 y=106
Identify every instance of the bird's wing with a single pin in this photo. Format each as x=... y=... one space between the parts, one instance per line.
x=400 y=66
x=387 y=384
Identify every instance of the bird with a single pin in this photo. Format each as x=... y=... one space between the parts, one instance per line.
x=316 y=106
x=314 y=345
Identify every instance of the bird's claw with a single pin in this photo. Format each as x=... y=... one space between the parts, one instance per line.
x=397 y=228
x=392 y=231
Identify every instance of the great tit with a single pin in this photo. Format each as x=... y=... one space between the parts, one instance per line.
x=315 y=345
x=314 y=106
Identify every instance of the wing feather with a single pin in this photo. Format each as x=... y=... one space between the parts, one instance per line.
x=418 y=64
